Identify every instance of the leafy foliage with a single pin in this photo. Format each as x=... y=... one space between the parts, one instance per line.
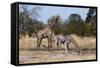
x=28 y=23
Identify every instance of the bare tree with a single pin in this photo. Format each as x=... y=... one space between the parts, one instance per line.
x=27 y=15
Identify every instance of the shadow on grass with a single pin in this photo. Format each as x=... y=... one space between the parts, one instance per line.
x=54 y=49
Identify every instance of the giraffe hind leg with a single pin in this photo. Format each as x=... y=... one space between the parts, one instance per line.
x=68 y=47
x=39 y=42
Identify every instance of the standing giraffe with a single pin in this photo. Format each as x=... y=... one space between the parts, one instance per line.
x=66 y=40
x=47 y=33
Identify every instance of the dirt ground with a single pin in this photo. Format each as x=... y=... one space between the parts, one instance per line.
x=29 y=54
x=41 y=56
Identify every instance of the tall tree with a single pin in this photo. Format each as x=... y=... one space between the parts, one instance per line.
x=74 y=18
x=27 y=17
x=91 y=17
x=91 y=20
x=75 y=25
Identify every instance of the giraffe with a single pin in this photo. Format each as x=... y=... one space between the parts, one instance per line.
x=47 y=33
x=65 y=39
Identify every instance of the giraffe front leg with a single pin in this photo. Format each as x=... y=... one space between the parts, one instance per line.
x=66 y=50
x=58 y=46
x=48 y=43
x=39 y=42
x=68 y=47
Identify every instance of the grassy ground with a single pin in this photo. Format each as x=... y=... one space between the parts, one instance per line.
x=28 y=53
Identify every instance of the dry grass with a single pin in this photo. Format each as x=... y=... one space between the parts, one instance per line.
x=83 y=43
x=27 y=54
x=86 y=42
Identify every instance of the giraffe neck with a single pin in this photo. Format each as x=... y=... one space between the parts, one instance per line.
x=54 y=23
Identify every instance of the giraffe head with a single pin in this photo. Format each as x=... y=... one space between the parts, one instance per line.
x=54 y=22
x=56 y=19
